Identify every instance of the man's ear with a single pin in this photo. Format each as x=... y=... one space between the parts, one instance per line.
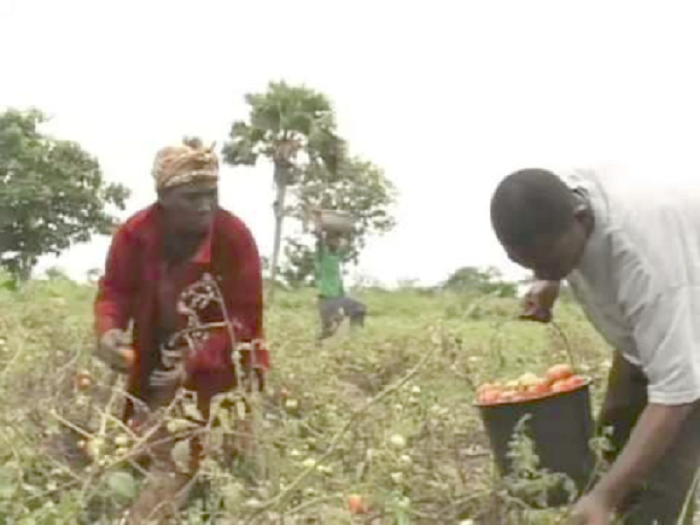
x=584 y=215
x=582 y=212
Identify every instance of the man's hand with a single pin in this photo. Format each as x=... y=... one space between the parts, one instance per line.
x=651 y=437
x=591 y=509
x=539 y=301
x=113 y=349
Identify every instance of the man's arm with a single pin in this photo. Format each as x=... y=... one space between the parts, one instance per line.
x=655 y=430
x=668 y=345
x=345 y=248
x=318 y=254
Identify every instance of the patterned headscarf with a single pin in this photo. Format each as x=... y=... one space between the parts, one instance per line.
x=184 y=163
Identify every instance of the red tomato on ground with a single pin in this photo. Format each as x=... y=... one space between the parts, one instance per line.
x=356 y=504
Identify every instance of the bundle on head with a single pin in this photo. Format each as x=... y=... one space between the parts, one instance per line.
x=184 y=163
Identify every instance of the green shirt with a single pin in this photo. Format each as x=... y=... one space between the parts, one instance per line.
x=329 y=277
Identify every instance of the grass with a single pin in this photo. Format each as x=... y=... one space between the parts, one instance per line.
x=386 y=414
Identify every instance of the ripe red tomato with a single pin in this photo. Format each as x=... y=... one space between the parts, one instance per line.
x=356 y=504
x=558 y=378
x=129 y=357
x=560 y=386
x=539 y=389
x=575 y=381
x=559 y=372
x=489 y=397
x=508 y=396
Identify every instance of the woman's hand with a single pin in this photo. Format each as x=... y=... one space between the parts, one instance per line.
x=113 y=349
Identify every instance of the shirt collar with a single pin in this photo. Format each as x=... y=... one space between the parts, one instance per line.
x=203 y=254
x=154 y=231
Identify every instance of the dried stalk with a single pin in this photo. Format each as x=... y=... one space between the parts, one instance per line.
x=354 y=416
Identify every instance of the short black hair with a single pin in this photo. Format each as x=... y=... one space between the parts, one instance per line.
x=531 y=203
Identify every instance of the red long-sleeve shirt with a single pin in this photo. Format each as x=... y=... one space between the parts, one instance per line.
x=131 y=289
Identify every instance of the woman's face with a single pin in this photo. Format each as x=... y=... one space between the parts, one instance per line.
x=190 y=208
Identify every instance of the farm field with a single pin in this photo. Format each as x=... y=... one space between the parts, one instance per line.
x=381 y=421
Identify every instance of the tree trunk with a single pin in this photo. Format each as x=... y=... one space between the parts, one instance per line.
x=279 y=219
x=26 y=266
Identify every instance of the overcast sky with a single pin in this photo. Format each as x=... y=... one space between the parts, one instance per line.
x=447 y=96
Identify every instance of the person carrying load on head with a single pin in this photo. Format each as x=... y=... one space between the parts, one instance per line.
x=187 y=274
x=332 y=249
x=630 y=251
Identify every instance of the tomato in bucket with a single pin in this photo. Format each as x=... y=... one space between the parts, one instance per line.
x=560 y=424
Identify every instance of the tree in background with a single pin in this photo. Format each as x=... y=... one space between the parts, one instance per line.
x=299 y=267
x=357 y=187
x=294 y=128
x=53 y=194
x=487 y=281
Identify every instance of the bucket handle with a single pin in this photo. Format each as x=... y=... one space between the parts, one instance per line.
x=556 y=327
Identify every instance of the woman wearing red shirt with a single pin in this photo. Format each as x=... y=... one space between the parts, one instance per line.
x=159 y=253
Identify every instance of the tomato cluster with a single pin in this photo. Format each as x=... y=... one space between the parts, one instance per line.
x=559 y=378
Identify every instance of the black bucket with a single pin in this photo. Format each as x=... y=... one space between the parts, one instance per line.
x=560 y=426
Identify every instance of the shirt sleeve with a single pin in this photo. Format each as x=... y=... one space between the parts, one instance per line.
x=668 y=342
x=114 y=301
x=659 y=288
x=667 y=339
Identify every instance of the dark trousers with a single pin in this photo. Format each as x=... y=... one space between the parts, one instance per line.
x=659 y=499
x=333 y=310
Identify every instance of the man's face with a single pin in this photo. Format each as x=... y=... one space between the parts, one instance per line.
x=190 y=208
x=550 y=258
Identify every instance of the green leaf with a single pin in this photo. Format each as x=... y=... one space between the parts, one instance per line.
x=181 y=454
x=122 y=486
x=8 y=485
x=402 y=518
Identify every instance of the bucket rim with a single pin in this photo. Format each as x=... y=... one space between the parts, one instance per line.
x=524 y=402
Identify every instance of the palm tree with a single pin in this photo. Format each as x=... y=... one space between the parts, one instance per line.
x=293 y=127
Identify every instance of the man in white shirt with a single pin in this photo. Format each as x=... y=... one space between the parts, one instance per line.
x=630 y=250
